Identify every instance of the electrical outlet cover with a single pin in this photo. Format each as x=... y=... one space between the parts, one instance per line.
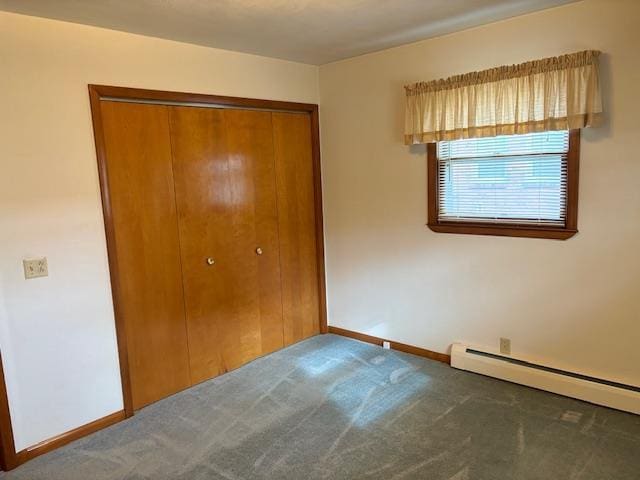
x=505 y=346
x=35 y=267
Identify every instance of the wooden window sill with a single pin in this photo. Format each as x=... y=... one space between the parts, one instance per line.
x=503 y=230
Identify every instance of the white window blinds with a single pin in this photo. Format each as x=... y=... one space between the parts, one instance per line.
x=512 y=179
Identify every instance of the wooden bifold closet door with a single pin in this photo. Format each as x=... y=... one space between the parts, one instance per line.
x=296 y=220
x=226 y=196
x=215 y=238
x=147 y=248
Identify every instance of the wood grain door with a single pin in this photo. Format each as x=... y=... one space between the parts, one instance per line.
x=297 y=225
x=147 y=254
x=227 y=208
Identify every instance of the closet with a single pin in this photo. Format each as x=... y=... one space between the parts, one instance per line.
x=213 y=236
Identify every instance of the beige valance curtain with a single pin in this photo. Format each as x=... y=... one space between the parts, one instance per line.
x=556 y=93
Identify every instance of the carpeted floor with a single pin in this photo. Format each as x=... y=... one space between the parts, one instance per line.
x=334 y=408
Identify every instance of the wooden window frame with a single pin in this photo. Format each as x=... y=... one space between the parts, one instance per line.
x=515 y=229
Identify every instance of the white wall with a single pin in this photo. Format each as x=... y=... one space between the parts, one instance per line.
x=574 y=303
x=57 y=333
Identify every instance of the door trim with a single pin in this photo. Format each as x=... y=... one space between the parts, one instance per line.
x=8 y=457
x=98 y=93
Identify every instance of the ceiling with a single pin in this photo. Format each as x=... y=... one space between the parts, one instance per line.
x=309 y=31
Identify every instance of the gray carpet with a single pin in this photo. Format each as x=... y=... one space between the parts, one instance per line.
x=334 y=408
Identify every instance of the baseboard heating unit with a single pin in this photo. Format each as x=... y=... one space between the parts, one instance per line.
x=575 y=385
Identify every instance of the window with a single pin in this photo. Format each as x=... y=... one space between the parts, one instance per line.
x=514 y=185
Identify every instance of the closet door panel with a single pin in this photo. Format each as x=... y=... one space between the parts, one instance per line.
x=226 y=203
x=253 y=181
x=296 y=218
x=203 y=195
x=143 y=211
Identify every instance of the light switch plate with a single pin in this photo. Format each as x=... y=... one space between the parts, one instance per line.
x=35 y=267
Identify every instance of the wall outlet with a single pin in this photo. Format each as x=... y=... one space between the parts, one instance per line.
x=386 y=345
x=35 y=267
x=505 y=346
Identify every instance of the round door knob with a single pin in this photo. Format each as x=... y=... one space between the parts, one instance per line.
x=210 y=261
x=259 y=251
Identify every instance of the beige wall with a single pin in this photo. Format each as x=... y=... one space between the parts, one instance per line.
x=575 y=304
x=57 y=333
